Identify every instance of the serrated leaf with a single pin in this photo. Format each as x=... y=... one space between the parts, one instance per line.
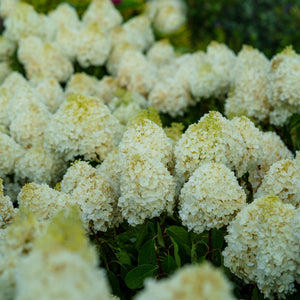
x=141 y=236
x=135 y=278
x=114 y=283
x=147 y=253
x=169 y=264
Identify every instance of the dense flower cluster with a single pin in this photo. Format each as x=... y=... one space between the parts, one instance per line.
x=191 y=282
x=263 y=245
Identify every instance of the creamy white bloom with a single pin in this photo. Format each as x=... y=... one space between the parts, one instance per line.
x=251 y=92
x=136 y=31
x=136 y=73
x=7 y=210
x=261 y=246
x=62 y=265
x=93 y=45
x=50 y=89
x=167 y=15
x=83 y=126
x=104 y=13
x=39 y=165
x=190 y=282
x=116 y=55
x=222 y=60
x=284 y=78
x=23 y=21
x=170 y=96
x=253 y=141
x=211 y=198
x=28 y=117
x=147 y=139
x=107 y=87
x=282 y=180
x=93 y=194
x=43 y=59
x=161 y=52
x=16 y=240
x=274 y=150
x=10 y=153
x=6 y=7
x=42 y=201
x=212 y=139
x=84 y=84
x=147 y=189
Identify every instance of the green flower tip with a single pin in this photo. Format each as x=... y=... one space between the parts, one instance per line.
x=150 y=113
x=175 y=131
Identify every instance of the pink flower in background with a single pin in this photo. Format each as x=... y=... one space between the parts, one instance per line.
x=117 y=2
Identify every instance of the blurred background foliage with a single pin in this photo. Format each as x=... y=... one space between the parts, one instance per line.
x=265 y=24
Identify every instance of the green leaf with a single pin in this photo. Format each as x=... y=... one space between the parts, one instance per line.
x=181 y=236
x=141 y=236
x=169 y=264
x=135 y=278
x=176 y=253
x=147 y=253
x=114 y=283
x=123 y=257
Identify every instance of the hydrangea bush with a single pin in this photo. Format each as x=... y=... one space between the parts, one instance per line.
x=136 y=165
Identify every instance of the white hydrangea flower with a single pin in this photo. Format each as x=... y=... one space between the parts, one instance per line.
x=50 y=89
x=190 y=282
x=116 y=55
x=251 y=92
x=107 y=87
x=93 y=46
x=83 y=126
x=125 y=105
x=7 y=7
x=16 y=240
x=284 y=76
x=167 y=15
x=110 y=167
x=273 y=150
x=39 y=165
x=161 y=52
x=136 y=31
x=93 y=194
x=104 y=13
x=253 y=140
x=10 y=153
x=65 y=15
x=42 y=201
x=7 y=48
x=261 y=246
x=282 y=180
x=136 y=73
x=147 y=189
x=62 y=265
x=23 y=21
x=28 y=117
x=211 y=198
x=81 y=83
x=11 y=188
x=170 y=96
x=148 y=139
x=212 y=139
x=43 y=59
x=7 y=210
x=222 y=60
